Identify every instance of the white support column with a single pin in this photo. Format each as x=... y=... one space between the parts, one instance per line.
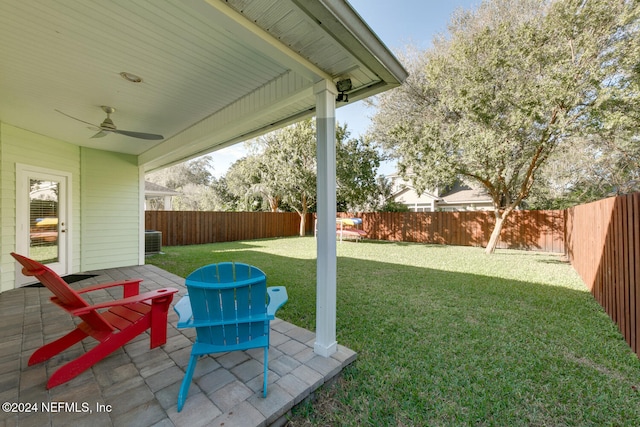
x=326 y=344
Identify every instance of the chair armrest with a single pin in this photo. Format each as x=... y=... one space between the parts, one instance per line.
x=131 y=287
x=183 y=308
x=151 y=295
x=277 y=297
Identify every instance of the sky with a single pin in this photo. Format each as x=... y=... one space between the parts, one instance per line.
x=397 y=24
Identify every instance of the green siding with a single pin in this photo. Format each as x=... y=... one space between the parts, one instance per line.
x=105 y=209
x=21 y=146
x=111 y=210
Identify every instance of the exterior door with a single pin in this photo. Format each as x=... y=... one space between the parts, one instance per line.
x=42 y=198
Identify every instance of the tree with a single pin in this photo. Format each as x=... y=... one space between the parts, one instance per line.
x=514 y=80
x=248 y=180
x=587 y=170
x=357 y=162
x=604 y=159
x=192 y=179
x=289 y=166
x=281 y=172
x=224 y=199
x=196 y=171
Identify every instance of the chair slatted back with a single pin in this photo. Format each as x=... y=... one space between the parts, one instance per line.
x=231 y=298
x=65 y=296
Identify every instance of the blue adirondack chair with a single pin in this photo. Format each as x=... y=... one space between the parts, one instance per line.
x=230 y=306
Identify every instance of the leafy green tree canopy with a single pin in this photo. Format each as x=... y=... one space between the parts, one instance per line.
x=196 y=171
x=281 y=172
x=289 y=160
x=245 y=181
x=192 y=179
x=357 y=163
x=513 y=80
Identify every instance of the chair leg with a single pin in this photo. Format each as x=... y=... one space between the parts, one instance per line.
x=186 y=382
x=266 y=371
x=103 y=349
x=49 y=350
x=159 y=311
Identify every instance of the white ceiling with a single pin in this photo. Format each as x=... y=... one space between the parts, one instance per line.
x=214 y=73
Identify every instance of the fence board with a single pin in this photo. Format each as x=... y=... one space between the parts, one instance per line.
x=191 y=228
x=603 y=245
x=635 y=300
x=530 y=230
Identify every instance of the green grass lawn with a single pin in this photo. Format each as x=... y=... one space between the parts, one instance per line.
x=448 y=336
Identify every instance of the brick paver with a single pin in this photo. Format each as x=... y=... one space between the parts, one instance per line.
x=138 y=386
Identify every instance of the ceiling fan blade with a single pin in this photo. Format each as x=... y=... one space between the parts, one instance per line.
x=75 y=118
x=100 y=134
x=108 y=126
x=140 y=135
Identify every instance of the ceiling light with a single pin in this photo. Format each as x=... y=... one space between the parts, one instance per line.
x=130 y=77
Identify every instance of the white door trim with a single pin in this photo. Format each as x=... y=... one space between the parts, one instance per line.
x=24 y=173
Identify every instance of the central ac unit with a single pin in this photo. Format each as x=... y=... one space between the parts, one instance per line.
x=152 y=242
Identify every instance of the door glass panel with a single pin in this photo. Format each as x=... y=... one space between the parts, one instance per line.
x=43 y=220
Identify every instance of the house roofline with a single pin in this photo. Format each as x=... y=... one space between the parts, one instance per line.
x=336 y=16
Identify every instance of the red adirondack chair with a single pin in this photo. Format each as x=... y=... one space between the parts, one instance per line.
x=112 y=323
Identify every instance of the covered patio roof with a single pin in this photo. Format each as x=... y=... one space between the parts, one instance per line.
x=203 y=74
x=213 y=73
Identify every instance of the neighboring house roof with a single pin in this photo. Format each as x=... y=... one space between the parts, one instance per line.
x=459 y=194
x=152 y=189
x=213 y=73
x=408 y=194
x=462 y=193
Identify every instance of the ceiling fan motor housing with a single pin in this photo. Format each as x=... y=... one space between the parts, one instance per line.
x=108 y=124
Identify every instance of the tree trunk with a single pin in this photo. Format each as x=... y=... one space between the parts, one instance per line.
x=274 y=202
x=303 y=216
x=495 y=235
x=303 y=223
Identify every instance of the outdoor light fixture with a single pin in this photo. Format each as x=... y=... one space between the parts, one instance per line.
x=130 y=77
x=343 y=86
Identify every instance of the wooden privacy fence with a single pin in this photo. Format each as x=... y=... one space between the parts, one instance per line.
x=531 y=230
x=603 y=245
x=193 y=228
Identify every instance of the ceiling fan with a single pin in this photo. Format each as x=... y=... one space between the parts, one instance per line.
x=107 y=126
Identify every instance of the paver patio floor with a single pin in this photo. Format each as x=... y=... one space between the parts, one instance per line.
x=138 y=386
